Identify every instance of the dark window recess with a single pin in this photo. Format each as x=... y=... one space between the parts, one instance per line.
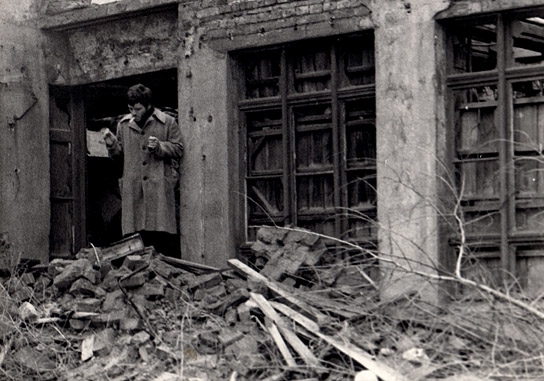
x=528 y=41
x=262 y=73
x=308 y=116
x=474 y=48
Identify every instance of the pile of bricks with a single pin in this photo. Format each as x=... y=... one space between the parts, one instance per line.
x=128 y=313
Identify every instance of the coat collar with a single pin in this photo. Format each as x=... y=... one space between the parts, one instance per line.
x=157 y=114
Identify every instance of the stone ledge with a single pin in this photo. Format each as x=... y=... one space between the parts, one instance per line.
x=461 y=8
x=94 y=14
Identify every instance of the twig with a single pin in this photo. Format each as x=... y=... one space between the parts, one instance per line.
x=96 y=255
x=439 y=277
x=149 y=327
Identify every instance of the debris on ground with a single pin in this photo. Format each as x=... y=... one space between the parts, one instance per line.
x=290 y=312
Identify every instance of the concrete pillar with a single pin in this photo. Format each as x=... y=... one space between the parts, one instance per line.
x=206 y=233
x=408 y=102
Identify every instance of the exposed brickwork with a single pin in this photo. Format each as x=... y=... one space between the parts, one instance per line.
x=229 y=20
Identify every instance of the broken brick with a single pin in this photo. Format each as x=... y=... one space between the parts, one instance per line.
x=136 y=280
x=208 y=342
x=172 y=295
x=130 y=324
x=114 y=300
x=57 y=265
x=270 y=234
x=110 y=282
x=140 y=338
x=104 y=341
x=205 y=281
x=81 y=268
x=215 y=294
x=82 y=287
x=27 y=279
x=186 y=278
x=261 y=249
x=88 y=305
x=228 y=336
x=244 y=314
x=231 y=316
x=28 y=312
x=233 y=299
x=133 y=262
x=304 y=237
x=110 y=318
x=151 y=291
x=233 y=284
x=164 y=269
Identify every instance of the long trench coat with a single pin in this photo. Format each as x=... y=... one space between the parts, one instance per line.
x=149 y=178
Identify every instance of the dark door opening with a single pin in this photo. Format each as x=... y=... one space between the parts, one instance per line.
x=105 y=105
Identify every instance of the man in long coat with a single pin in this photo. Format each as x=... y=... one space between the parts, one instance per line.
x=149 y=143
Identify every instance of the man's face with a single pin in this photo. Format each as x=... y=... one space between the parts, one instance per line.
x=137 y=111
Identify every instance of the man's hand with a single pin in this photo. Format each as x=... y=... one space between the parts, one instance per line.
x=153 y=144
x=109 y=137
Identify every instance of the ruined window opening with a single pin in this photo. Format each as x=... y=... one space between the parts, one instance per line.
x=307 y=114
x=495 y=80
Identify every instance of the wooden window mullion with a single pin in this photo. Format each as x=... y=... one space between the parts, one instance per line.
x=288 y=146
x=336 y=143
x=506 y=170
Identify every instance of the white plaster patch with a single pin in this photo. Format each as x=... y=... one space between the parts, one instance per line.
x=103 y=1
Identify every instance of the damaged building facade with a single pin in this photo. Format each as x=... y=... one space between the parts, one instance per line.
x=411 y=128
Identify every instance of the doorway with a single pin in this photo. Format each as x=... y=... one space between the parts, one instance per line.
x=91 y=212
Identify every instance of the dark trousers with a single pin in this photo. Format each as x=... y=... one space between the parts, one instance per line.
x=164 y=243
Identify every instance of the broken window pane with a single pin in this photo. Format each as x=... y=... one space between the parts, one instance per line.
x=313 y=126
x=476 y=120
x=530 y=176
x=265 y=141
x=265 y=199
x=528 y=41
x=528 y=115
x=360 y=125
x=312 y=68
x=262 y=75
x=474 y=48
x=358 y=62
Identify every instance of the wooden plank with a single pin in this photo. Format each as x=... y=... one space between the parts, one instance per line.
x=278 y=339
x=342 y=310
x=275 y=287
x=291 y=313
x=382 y=370
x=126 y=246
x=187 y=265
x=291 y=337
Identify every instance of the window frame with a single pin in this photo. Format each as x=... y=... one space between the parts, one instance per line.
x=510 y=241
x=288 y=101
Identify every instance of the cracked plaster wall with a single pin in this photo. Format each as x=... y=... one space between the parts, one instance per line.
x=24 y=142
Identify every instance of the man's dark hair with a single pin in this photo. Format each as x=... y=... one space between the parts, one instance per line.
x=139 y=94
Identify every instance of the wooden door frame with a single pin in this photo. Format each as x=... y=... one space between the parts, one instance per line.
x=75 y=139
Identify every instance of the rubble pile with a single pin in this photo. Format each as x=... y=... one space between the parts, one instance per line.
x=293 y=312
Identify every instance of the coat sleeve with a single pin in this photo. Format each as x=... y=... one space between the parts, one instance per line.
x=173 y=146
x=116 y=149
